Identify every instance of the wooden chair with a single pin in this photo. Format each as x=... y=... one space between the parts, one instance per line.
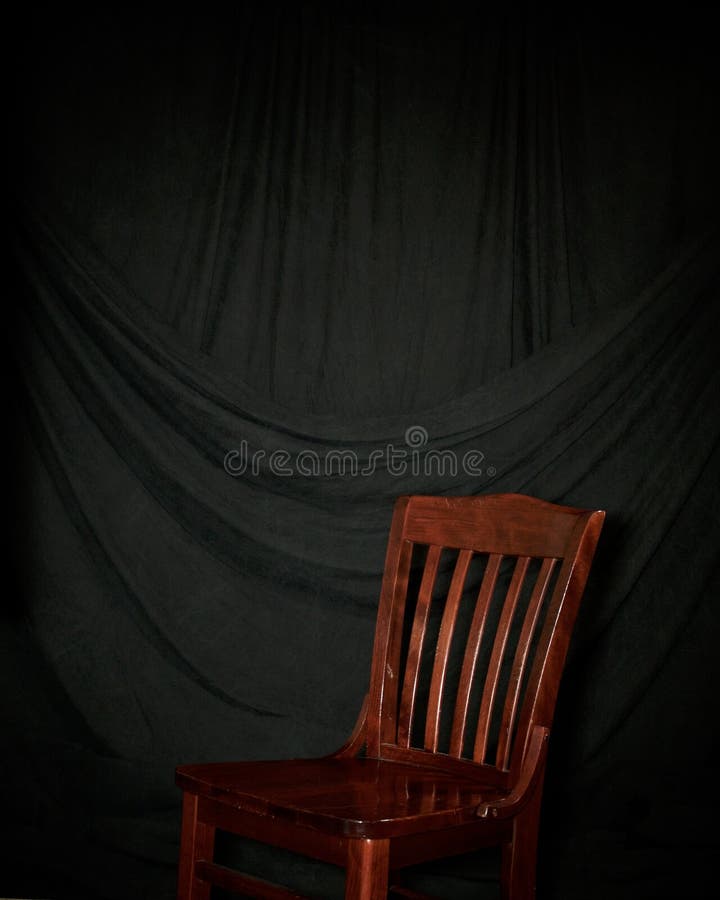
x=478 y=601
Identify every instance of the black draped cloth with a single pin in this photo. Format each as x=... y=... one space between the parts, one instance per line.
x=275 y=268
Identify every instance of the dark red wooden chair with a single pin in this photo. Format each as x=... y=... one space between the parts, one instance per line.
x=478 y=602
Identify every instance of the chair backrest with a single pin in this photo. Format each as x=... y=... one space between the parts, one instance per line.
x=478 y=602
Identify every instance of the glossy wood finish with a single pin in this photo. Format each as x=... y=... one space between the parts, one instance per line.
x=477 y=606
x=368 y=868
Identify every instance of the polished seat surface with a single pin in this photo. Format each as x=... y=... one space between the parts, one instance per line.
x=359 y=797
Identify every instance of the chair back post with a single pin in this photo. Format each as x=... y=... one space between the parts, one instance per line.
x=383 y=693
x=544 y=682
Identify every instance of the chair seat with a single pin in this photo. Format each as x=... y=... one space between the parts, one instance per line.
x=366 y=798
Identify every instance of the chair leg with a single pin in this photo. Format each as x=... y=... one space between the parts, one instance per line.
x=368 y=868
x=197 y=841
x=519 y=856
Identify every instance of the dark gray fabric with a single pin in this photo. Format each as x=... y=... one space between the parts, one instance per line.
x=469 y=257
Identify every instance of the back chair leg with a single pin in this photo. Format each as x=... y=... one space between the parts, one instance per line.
x=197 y=841
x=519 y=856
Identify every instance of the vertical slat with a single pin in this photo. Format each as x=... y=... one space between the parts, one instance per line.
x=496 y=658
x=417 y=638
x=477 y=629
x=519 y=661
x=442 y=651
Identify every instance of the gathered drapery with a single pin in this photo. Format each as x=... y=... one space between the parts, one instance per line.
x=275 y=271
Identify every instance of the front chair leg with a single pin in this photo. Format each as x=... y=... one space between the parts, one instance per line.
x=197 y=841
x=368 y=868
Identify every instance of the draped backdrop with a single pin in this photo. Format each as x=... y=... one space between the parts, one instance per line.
x=276 y=267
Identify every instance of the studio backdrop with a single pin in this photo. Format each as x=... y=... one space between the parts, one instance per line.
x=276 y=268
